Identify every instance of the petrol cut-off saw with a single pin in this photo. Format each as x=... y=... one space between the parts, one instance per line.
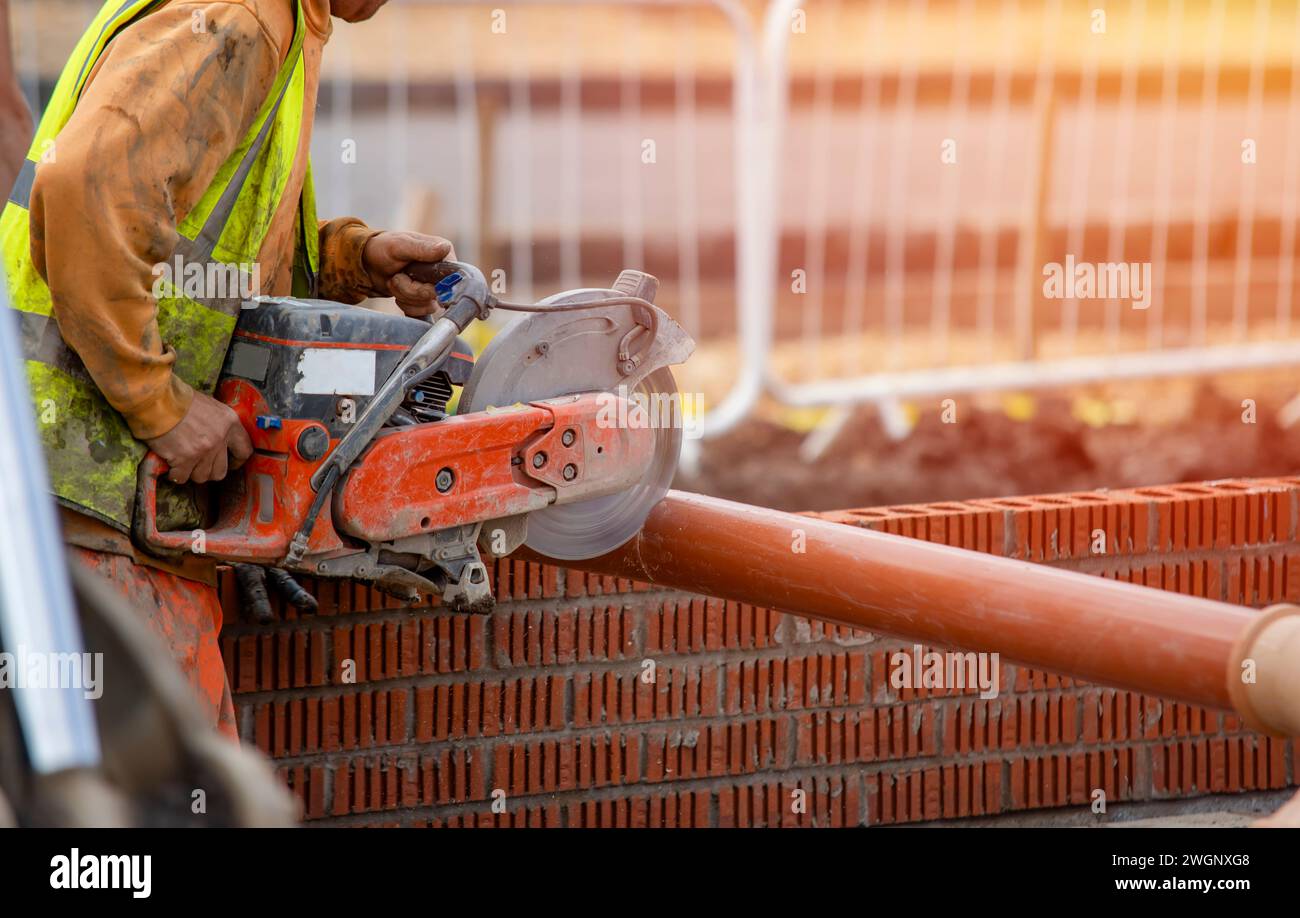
x=359 y=470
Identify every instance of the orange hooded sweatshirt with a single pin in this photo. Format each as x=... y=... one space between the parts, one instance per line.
x=167 y=102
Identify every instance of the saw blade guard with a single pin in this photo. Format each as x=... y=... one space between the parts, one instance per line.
x=624 y=350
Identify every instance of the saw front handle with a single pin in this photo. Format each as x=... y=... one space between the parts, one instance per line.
x=440 y=274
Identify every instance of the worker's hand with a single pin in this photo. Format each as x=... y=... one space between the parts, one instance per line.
x=207 y=442
x=386 y=255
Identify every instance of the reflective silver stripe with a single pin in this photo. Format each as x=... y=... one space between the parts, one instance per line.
x=43 y=343
x=22 y=190
x=32 y=329
x=190 y=253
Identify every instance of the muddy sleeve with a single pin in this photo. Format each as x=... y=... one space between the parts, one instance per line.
x=342 y=277
x=169 y=100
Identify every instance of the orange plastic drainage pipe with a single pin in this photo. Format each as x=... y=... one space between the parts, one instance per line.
x=1095 y=629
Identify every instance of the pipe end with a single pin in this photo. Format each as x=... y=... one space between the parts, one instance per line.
x=1264 y=672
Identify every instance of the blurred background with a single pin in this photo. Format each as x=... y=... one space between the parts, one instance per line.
x=850 y=203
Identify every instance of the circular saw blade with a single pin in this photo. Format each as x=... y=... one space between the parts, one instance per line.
x=575 y=362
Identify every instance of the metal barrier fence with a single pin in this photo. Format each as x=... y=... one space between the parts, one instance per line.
x=861 y=207
x=987 y=152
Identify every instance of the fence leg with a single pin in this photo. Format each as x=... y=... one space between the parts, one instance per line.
x=1030 y=303
x=487 y=130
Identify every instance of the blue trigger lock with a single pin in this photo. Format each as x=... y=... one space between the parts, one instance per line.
x=446 y=288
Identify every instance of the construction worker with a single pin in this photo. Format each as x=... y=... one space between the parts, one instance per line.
x=178 y=134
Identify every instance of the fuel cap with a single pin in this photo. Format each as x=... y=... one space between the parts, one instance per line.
x=313 y=443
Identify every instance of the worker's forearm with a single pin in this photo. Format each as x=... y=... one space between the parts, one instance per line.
x=165 y=107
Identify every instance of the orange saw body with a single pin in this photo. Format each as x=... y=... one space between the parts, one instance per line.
x=360 y=470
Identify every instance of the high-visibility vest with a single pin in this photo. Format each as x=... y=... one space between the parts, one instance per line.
x=91 y=452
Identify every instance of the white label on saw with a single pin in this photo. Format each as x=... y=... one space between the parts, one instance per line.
x=335 y=371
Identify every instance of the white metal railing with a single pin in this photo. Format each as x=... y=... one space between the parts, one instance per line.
x=1090 y=108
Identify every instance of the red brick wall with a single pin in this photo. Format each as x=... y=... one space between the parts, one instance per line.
x=543 y=700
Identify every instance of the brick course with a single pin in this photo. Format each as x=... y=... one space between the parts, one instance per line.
x=544 y=713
